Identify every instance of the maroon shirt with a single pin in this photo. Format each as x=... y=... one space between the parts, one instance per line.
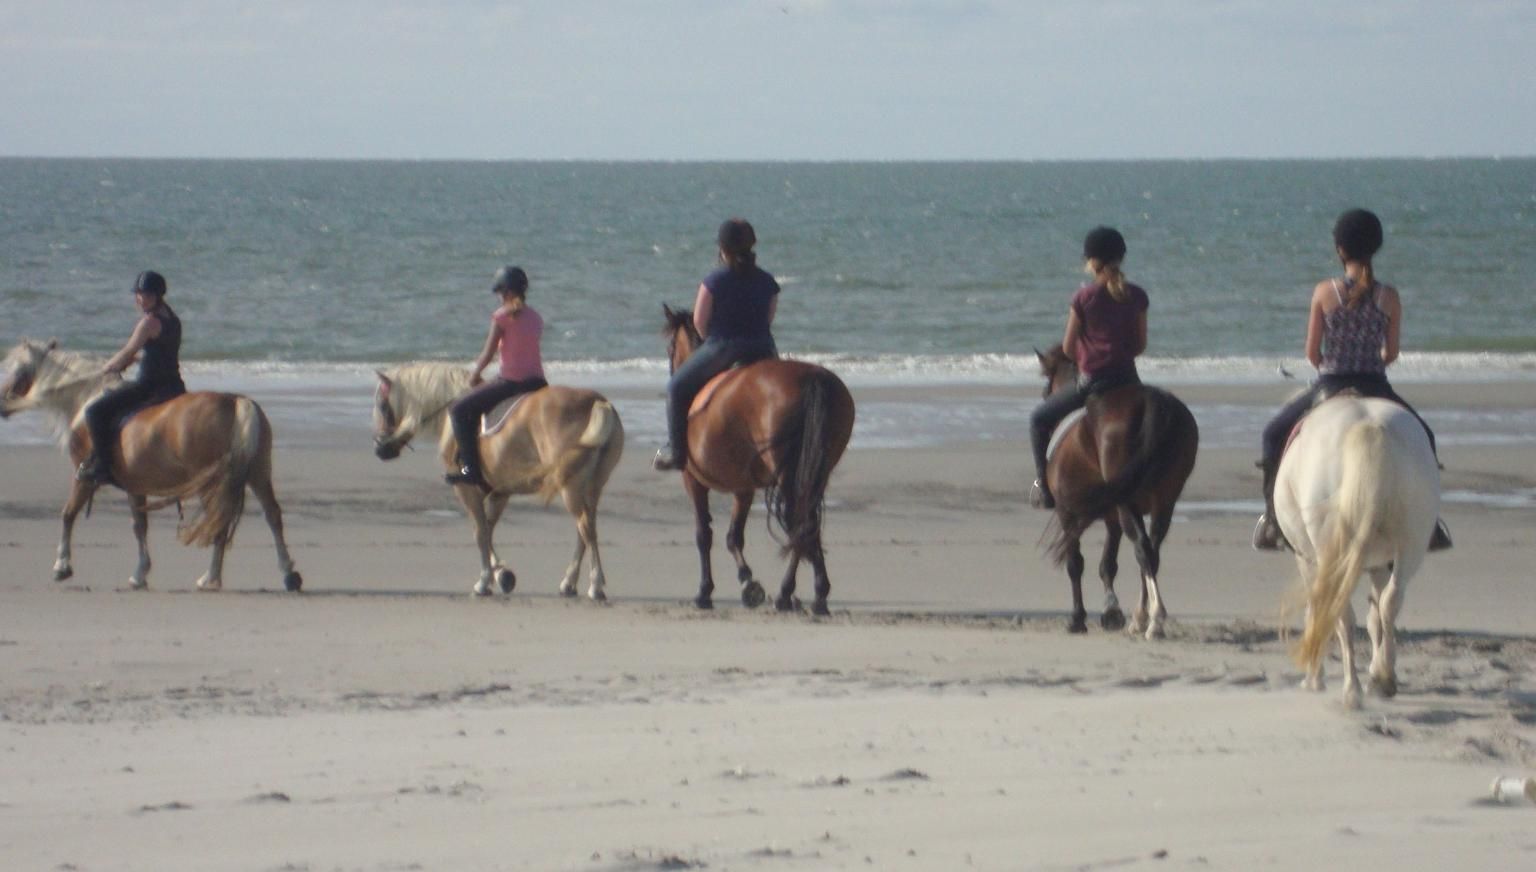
x=1109 y=328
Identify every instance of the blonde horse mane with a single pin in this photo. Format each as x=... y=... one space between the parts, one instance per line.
x=423 y=391
x=63 y=382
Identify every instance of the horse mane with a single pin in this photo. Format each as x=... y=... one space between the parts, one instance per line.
x=62 y=382
x=679 y=318
x=423 y=390
x=1052 y=359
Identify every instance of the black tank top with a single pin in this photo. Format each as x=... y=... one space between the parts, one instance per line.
x=160 y=359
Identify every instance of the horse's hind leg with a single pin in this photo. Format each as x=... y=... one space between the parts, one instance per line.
x=1151 y=604
x=584 y=511
x=786 y=601
x=261 y=485
x=703 y=537
x=1079 y=622
x=736 y=542
x=213 y=579
x=1109 y=566
x=1381 y=623
x=1346 y=633
x=79 y=495
x=818 y=559
x=139 y=580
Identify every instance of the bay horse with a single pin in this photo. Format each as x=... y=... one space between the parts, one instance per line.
x=1123 y=462
x=203 y=445
x=555 y=440
x=776 y=425
x=1357 y=492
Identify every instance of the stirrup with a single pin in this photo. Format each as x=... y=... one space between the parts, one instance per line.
x=1267 y=535
x=1040 y=495
x=666 y=461
x=1440 y=540
x=94 y=470
x=466 y=475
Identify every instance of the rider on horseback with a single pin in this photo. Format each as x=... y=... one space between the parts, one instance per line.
x=158 y=337
x=1106 y=330
x=515 y=331
x=1352 y=336
x=733 y=313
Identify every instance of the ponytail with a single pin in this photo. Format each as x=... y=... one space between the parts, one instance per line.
x=1360 y=291
x=517 y=304
x=1109 y=274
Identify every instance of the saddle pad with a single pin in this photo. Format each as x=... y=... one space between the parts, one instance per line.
x=486 y=430
x=1062 y=428
x=707 y=393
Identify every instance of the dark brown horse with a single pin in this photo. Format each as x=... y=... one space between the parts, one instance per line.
x=779 y=425
x=1124 y=462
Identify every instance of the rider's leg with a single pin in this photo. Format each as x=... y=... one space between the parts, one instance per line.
x=1267 y=535
x=465 y=417
x=101 y=420
x=1042 y=423
x=712 y=358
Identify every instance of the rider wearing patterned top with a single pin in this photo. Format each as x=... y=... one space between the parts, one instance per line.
x=156 y=341
x=1352 y=336
x=515 y=332
x=734 y=314
x=1106 y=330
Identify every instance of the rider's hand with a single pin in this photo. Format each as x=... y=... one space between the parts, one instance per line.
x=475 y=380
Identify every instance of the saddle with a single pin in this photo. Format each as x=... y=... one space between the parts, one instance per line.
x=711 y=387
x=154 y=399
x=488 y=429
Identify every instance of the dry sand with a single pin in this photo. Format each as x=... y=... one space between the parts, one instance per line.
x=940 y=719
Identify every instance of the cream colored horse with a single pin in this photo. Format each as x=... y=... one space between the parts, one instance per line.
x=202 y=445
x=556 y=440
x=1357 y=494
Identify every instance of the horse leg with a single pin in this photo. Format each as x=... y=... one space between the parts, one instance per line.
x=1079 y=622
x=139 y=580
x=504 y=577
x=474 y=506
x=703 y=537
x=1109 y=566
x=79 y=495
x=262 y=486
x=584 y=510
x=1147 y=558
x=786 y=601
x=818 y=559
x=1382 y=624
x=736 y=542
x=213 y=579
x=1346 y=632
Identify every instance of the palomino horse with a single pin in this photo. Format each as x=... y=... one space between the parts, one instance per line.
x=1124 y=462
x=556 y=440
x=205 y=445
x=1357 y=492
x=780 y=425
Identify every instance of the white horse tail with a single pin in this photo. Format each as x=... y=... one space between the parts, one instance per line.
x=584 y=458
x=1365 y=505
x=220 y=489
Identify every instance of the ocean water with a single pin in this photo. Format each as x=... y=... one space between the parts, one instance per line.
x=294 y=278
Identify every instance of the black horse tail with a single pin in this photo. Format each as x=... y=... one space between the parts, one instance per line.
x=798 y=492
x=1164 y=422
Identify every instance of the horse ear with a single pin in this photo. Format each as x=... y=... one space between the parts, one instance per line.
x=1038 y=356
x=667 y=310
x=382 y=377
x=53 y=344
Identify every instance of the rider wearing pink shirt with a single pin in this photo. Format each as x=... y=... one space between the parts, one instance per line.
x=515 y=332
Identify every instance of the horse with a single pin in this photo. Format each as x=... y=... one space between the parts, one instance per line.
x=776 y=425
x=1357 y=492
x=1123 y=462
x=555 y=440
x=211 y=446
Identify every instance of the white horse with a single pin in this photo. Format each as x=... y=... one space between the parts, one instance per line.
x=556 y=440
x=1358 y=493
x=205 y=446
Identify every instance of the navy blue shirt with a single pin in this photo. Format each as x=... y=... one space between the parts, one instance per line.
x=740 y=302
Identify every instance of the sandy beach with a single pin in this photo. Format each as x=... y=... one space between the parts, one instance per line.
x=942 y=718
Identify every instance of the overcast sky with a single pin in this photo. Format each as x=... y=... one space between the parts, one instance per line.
x=767 y=79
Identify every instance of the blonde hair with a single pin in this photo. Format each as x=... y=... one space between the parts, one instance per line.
x=518 y=303
x=1113 y=278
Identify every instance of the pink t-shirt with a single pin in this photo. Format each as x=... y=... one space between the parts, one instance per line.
x=520 y=358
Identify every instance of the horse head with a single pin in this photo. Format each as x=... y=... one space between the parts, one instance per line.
x=682 y=337
x=388 y=436
x=1060 y=371
x=410 y=397
x=23 y=362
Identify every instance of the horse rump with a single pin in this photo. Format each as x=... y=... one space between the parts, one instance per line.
x=220 y=488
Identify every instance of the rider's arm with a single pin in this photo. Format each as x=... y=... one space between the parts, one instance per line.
x=492 y=342
x=1141 y=334
x=1315 y=324
x=1074 y=330
x=147 y=328
x=773 y=307
x=703 y=307
x=1392 y=305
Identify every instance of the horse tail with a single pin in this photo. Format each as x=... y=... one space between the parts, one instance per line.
x=803 y=466
x=1363 y=505
x=1165 y=420
x=604 y=434
x=221 y=488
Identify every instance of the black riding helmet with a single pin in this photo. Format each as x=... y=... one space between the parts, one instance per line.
x=1105 y=245
x=150 y=282
x=1358 y=233
x=510 y=278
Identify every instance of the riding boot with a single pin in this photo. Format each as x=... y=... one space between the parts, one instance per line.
x=1267 y=535
x=1440 y=540
x=94 y=469
x=666 y=460
x=469 y=471
x=1040 y=495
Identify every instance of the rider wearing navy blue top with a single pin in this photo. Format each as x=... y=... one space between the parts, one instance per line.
x=734 y=314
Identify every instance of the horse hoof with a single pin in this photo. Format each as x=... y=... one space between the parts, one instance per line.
x=213 y=586
x=786 y=604
x=1112 y=620
x=704 y=602
x=63 y=573
x=142 y=584
x=752 y=594
x=482 y=589
x=820 y=610
x=506 y=580
x=1386 y=688
x=293 y=582
x=1078 y=624
x=597 y=595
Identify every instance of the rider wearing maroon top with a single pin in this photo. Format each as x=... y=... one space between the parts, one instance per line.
x=1106 y=330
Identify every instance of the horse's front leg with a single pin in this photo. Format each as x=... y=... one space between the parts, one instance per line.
x=495 y=505
x=139 y=580
x=79 y=495
x=1109 y=566
x=1151 y=605
x=1381 y=623
x=703 y=537
x=752 y=594
x=473 y=502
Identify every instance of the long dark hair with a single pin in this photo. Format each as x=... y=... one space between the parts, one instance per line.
x=736 y=238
